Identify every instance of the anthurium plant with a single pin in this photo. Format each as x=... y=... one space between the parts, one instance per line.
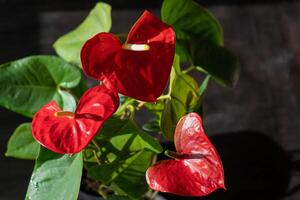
x=77 y=129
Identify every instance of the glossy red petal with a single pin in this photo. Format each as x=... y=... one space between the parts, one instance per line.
x=190 y=137
x=142 y=75
x=189 y=176
x=98 y=57
x=186 y=177
x=65 y=134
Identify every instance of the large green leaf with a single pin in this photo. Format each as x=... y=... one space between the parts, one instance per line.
x=29 y=83
x=21 y=144
x=69 y=45
x=125 y=154
x=183 y=98
x=217 y=61
x=200 y=40
x=132 y=181
x=126 y=175
x=55 y=176
x=121 y=137
x=190 y=20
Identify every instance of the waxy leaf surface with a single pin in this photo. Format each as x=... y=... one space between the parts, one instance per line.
x=29 y=83
x=199 y=40
x=126 y=153
x=99 y=20
x=190 y=20
x=183 y=98
x=142 y=75
x=189 y=175
x=55 y=176
x=21 y=144
x=70 y=134
x=126 y=174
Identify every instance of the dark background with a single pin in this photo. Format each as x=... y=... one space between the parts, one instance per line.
x=118 y=4
x=260 y=163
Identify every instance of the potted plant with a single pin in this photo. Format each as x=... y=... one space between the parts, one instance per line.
x=76 y=128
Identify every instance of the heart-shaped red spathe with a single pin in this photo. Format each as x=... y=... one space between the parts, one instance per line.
x=189 y=175
x=66 y=132
x=142 y=75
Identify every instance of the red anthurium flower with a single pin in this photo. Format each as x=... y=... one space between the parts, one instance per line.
x=68 y=132
x=196 y=170
x=140 y=68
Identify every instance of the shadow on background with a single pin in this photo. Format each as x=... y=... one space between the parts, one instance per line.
x=255 y=167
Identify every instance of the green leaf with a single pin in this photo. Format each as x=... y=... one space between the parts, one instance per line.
x=132 y=181
x=119 y=138
x=190 y=20
x=29 y=83
x=99 y=20
x=21 y=144
x=122 y=137
x=200 y=40
x=183 y=98
x=125 y=154
x=82 y=87
x=126 y=175
x=55 y=176
x=68 y=101
x=217 y=61
x=152 y=126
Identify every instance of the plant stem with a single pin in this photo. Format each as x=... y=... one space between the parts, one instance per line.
x=200 y=70
x=102 y=192
x=140 y=105
x=163 y=97
x=203 y=86
x=153 y=195
x=187 y=70
x=96 y=145
x=96 y=157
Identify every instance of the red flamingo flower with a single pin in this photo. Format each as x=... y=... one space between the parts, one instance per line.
x=68 y=132
x=196 y=170
x=139 y=68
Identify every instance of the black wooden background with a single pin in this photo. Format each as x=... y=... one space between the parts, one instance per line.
x=266 y=37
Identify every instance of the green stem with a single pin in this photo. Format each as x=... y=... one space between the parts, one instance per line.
x=200 y=69
x=163 y=97
x=153 y=195
x=203 y=86
x=189 y=69
x=96 y=145
x=102 y=192
x=140 y=105
x=96 y=157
